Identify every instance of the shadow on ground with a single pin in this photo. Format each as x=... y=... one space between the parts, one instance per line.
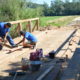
x=31 y=76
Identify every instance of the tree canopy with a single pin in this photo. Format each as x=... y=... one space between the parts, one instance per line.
x=23 y=9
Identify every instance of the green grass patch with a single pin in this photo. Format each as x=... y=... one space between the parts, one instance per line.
x=44 y=20
x=56 y=20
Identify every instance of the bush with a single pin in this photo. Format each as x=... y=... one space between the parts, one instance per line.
x=17 y=9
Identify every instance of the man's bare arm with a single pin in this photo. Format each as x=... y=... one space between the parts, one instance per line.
x=5 y=36
x=21 y=41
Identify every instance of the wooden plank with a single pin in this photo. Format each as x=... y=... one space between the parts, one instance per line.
x=45 y=73
x=29 y=24
x=21 y=21
x=54 y=73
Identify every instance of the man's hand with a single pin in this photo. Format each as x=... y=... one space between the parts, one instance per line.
x=4 y=40
x=5 y=37
x=1 y=40
x=20 y=41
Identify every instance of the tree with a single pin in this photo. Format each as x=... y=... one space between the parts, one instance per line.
x=75 y=0
x=46 y=9
x=67 y=1
x=11 y=10
x=57 y=7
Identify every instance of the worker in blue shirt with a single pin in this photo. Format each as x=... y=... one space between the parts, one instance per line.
x=4 y=33
x=32 y=40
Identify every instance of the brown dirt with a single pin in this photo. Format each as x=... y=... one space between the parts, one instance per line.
x=48 y=40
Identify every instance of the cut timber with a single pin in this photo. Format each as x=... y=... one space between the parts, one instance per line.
x=19 y=48
x=54 y=73
x=21 y=21
x=27 y=21
x=45 y=73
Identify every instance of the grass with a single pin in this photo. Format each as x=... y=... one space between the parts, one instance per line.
x=56 y=20
x=44 y=20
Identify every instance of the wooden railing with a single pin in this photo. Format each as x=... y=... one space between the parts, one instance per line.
x=28 y=24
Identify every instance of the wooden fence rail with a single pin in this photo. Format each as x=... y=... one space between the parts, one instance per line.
x=28 y=24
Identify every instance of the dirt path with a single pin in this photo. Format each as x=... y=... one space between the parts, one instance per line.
x=48 y=41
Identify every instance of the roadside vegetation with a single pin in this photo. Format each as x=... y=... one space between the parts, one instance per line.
x=11 y=10
x=56 y=21
x=57 y=14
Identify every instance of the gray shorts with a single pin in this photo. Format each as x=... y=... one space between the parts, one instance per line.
x=32 y=43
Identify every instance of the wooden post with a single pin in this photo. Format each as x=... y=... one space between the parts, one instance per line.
x=37 y=21
x=34 y=26
x=29 y=25
x=19 y=28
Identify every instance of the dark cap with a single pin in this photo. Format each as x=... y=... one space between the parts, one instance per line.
x=8 y=24
x=22 y=32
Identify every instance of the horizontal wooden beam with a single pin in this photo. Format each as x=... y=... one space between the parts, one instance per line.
x=21 y=21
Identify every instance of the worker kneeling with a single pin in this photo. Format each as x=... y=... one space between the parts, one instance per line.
x=32 y=40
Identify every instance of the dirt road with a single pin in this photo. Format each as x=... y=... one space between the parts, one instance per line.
x=47 y=40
